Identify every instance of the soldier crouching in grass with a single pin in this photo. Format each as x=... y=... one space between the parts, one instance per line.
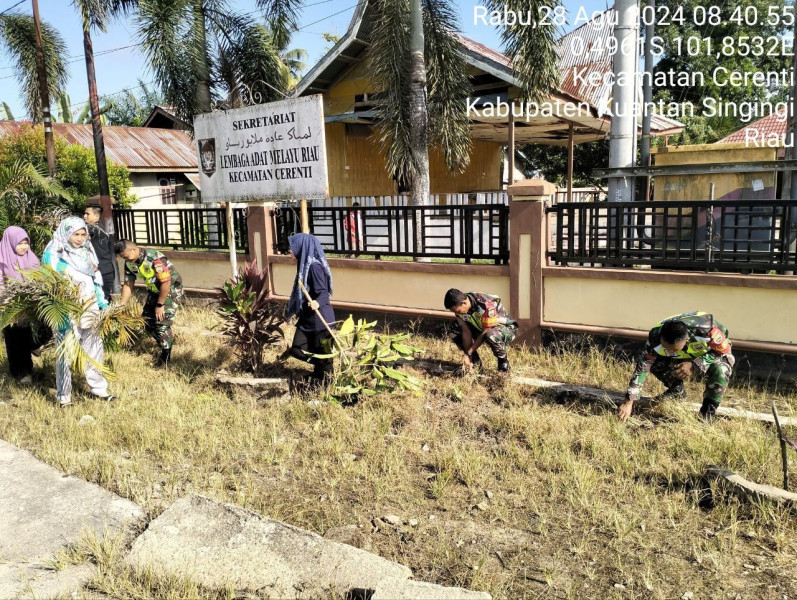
x=676 y=348
x=164 y=292
x=481 y=319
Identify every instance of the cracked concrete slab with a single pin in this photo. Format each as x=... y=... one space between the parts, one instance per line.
x=42 y=511
x=222 y=544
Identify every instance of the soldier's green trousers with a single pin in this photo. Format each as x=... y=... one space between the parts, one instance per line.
x=162 y=330
x=716 y=376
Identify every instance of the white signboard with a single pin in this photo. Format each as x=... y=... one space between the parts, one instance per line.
x=273 y=150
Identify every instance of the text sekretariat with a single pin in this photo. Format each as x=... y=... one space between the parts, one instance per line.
x=266 y=121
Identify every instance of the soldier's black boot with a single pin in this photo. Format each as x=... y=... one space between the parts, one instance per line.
x=165 y=357
x=709 y=409
x=503 y=365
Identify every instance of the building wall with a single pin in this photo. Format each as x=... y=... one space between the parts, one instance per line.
x=602 y=298
x=356 y=166
x=201 y=270
x=729 y=186
x=147 y=189
x=405 y=285
x=747 y=305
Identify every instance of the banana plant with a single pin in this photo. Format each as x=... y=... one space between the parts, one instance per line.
x=366 y=362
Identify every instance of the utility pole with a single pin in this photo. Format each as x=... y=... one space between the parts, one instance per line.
x=106 y=219
x=647 y=96
x=623 y=136
x=44 y=92
x=96 y=128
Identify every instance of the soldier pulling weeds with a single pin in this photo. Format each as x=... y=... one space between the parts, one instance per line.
x=676 y=348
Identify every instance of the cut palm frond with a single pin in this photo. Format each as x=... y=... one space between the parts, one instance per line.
x=48 y=297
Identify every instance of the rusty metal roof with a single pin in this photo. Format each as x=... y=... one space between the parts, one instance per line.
x=586 y=47
x=138 y=148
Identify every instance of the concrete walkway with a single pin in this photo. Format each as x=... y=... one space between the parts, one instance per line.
x=43 y=511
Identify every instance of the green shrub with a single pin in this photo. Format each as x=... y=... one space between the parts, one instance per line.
x=75 y=165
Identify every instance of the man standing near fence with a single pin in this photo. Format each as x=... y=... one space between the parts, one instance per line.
x=102 y=243
x=164 y=292
x=677 y=347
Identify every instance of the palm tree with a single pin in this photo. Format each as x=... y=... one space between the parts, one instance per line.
x=18 y=39
x=422 y=77
x=294 y=61
x=66 y=115
x=200 y=52
x=5 y=112
x=132 y=109
x=30 y=198
x=95 y=14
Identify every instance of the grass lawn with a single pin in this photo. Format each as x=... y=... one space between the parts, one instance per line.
x=500 y=487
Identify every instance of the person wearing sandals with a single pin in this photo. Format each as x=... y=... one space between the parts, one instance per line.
x=70 y=253
x=15 y=256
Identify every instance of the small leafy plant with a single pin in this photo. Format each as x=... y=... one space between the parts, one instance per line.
x=252 y=320
x=366 y=361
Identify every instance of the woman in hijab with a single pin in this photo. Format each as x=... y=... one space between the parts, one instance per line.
x=15 y=256
x=70 y=253
x=313 y=271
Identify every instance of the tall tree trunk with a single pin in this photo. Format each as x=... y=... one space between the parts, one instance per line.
x=419 y=119
x=106 y=221
x=44 y=92
x=203 y=99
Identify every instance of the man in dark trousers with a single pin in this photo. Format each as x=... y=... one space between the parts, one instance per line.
x=164 y=287
x=678 y=347
x=103 y=247
x=481 y=319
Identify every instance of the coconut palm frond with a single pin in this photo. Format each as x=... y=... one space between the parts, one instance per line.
x=447 y=84
x=532 y=49
x=260 y=75
x=163 y=28
x=120 y=326
x=18 y=36
x=282 y=16
x=44 y=295
x=72 y=352
x=390 y=69
x=5 y=112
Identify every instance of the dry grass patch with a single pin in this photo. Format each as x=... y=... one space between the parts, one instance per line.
x=498 y=487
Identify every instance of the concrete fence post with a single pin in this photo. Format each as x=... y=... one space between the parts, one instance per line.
x=260 y=233
x=527 y=248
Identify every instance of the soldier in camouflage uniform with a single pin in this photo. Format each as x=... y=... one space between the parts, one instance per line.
x=678 y=346
x=480 y=318
x=164 y=287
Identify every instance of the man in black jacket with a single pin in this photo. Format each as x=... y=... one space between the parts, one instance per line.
x=103 y=246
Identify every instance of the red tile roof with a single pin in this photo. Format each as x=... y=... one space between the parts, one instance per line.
x=764 y=128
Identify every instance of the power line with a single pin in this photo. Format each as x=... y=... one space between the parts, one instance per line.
x=80 y=57
x=12 y=7
x=83 y=103
x=328 y=17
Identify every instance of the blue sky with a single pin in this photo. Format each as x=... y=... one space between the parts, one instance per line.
x=121 y=69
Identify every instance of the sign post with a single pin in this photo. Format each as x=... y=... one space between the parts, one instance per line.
x=267 y=151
